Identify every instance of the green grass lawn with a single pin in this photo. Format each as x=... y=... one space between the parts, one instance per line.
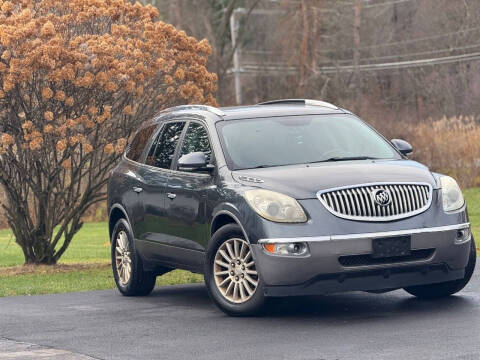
x=89 y=245
x=90 y=248
x=473 y=202
x=86 y=263
x=78 y=280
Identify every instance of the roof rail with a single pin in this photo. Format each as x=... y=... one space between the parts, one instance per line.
x=208 y=108
x=301 y=101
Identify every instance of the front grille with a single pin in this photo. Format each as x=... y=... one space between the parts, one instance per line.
x=367 y=259
x=377 y=202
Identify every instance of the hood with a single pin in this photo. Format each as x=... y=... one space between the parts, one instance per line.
x=304 y=181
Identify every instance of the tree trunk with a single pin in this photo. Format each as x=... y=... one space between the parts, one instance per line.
x=356 y=51
x=35 y=245
x=304 y=54
x=41 y=253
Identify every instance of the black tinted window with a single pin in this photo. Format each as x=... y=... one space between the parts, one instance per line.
x=135 y=150
x=166 y=144
x=150 y=160
x=196 y=139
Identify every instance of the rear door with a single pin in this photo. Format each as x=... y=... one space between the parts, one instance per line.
x=132 y=181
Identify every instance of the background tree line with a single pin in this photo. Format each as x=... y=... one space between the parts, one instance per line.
x=410 y=52
x=409 y=67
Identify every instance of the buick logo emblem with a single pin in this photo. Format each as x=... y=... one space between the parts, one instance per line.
x=382 y=197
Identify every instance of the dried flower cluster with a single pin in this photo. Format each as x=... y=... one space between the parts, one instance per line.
x=76 y=77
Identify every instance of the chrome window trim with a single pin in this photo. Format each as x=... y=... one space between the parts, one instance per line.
x=366 y=235
x=377 y=218
x=170 y=171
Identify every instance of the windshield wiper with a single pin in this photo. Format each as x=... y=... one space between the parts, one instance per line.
x=332 y=159
x=345 y=158
x=260 y=167
x=268 y=166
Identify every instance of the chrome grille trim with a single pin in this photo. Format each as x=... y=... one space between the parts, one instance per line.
x=356 y=202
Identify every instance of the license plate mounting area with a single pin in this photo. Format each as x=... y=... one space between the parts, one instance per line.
x=391 y=247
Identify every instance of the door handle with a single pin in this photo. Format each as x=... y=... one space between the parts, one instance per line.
x=138 y=190
x=171 y=196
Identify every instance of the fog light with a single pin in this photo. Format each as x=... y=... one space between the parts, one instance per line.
x=463 y=235
x=294 y=249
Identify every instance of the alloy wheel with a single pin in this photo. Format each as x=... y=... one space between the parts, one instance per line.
x=123 y=260
x=234 y=270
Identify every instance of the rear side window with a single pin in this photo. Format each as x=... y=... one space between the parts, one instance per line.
x=163 y=148
x=196 y=139
x=135 y=150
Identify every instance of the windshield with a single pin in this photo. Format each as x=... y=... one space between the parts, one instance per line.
x=252 y=143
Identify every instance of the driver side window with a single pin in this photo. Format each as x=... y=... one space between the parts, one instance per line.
x=196 y=139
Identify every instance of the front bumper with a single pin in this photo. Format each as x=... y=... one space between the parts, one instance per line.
x=342 y=263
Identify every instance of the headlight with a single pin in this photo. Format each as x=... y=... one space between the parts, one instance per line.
x=451 y=194
x=275 y=206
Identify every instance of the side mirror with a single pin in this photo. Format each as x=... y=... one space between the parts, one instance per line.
x=404 y=147
x=195 y=161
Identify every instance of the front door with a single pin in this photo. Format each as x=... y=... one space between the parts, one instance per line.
x=156 y=243
x=186 y=200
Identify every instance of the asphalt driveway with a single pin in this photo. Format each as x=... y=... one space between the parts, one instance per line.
x=180 y=322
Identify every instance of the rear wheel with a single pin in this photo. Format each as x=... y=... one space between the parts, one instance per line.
x=130 y=277
x=231 y=277
x=448 y=288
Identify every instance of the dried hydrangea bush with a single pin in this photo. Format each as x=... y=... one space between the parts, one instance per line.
x=76 y=78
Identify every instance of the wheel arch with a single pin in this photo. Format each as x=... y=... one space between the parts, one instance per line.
x=117 y=212
x=224 y=217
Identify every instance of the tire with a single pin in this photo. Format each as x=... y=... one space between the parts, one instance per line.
x=137 y=282
x=239 y=300
x=435 y=291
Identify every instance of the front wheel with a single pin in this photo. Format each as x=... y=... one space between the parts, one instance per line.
x=128 y=272
x=435 y=291
x=231 y=277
